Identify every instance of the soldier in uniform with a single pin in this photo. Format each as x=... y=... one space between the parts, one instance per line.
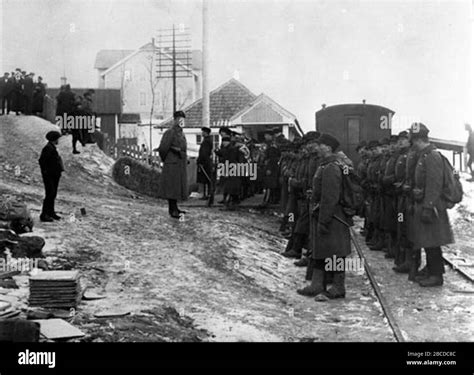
x=204 y=162
x=173 y=180
x=379 y=215
x=389 y=196
x=403 y=146
x=375 y=236
x=361 y=172
x=270 y=170
x=302 y=183
x=432 y=228
x=332 y=236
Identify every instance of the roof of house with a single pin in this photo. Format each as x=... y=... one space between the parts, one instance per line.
x=224 y=102
x=107 y=59
x=106 y=101
x=264 y=99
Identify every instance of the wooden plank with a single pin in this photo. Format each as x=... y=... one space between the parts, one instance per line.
x=57 y=329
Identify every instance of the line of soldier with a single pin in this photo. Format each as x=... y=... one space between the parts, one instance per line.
x=19 y=93
x=404 y=212
x=314 y=219
x=236 y=148
x=403 y=208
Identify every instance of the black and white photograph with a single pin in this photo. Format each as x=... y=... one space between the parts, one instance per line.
x=237 y=172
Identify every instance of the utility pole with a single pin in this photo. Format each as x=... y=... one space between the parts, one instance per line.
x=174 y=70
x=173 y=56
x=205 y=64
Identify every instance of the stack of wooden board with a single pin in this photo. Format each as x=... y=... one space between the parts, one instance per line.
x=55 y=289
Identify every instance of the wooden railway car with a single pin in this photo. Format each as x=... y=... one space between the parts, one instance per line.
x=352 y=123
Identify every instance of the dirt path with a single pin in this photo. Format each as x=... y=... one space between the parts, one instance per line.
x=221 y=269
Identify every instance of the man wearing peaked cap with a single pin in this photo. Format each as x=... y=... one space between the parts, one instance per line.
x=179 y=114
x=173 y=181
x=51 y=166
x=204 y=163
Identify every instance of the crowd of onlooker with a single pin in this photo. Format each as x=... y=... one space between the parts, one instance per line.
x=68 y=103
x=21 y=93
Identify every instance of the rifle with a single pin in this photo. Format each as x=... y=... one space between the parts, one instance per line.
x=210 y=201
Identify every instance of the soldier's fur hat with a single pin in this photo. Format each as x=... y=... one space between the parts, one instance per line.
x=418 y=130
x=329 y=140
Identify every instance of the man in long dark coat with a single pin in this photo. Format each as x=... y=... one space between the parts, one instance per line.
x=28 y=91
x=204 y=162
x=432 y=228
x=51 y=166
x=402 y=195
x=4 y=93
x=331 y=236
x=173 y=184
x=229 y=154
x=66 y=103
x=38 y=96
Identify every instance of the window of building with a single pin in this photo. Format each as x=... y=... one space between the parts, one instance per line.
x=127 y=75
x=142 y=98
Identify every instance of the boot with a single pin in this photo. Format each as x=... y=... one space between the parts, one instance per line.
x=391 y=248
x=378 y=245
x=316 y=286
x=422 y=274
x=303 y=262
x=431 y=281
x=338 y=289
x=309 y=270
x=402 y=268
x=297 y=248
x=399 y=256
x=413 y=257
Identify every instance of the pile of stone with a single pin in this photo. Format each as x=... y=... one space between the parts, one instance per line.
x=55 y=289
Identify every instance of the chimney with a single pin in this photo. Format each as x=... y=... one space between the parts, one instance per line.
x=323 y=105
x=363 y=101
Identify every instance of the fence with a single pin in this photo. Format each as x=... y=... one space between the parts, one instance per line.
x=135 y=152
x=153 y=159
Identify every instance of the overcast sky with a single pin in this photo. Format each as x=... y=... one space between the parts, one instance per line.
x=413 y=57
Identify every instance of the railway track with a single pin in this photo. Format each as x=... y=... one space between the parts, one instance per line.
x=392 y=321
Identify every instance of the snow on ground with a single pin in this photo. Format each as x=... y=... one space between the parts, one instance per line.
x=215 y=276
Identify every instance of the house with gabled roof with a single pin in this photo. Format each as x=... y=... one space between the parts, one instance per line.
x=129 y=71
x=233 y=105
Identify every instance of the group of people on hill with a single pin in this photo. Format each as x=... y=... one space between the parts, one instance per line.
x=401 y=182
x=20 y=93
x=68 y=104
